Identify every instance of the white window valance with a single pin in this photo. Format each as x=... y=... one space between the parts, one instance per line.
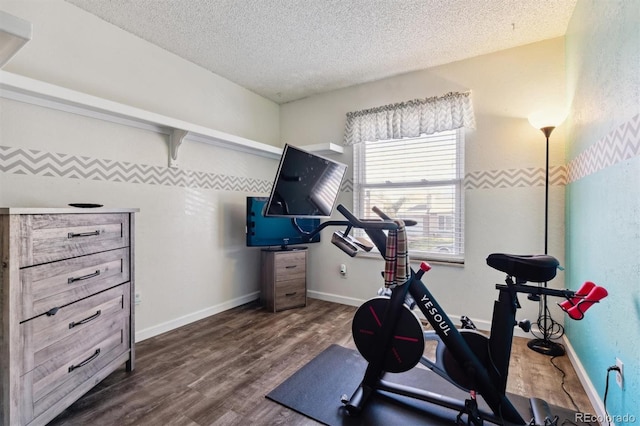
x=410 y=119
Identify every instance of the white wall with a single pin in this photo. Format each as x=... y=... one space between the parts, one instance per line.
x=501 y=216
x=74 y=49
x=191 y=259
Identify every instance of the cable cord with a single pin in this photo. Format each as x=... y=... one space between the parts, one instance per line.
x=553 y=330
x=562 y=384
x=606 y=391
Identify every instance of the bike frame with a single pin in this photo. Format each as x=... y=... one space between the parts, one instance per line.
x=491 y=382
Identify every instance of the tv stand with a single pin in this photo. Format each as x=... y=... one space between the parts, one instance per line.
x=283 y=278
x=285 y=248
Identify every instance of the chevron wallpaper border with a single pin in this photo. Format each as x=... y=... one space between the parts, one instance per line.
x=40 y=163
x=514 y=178
x=619 y=145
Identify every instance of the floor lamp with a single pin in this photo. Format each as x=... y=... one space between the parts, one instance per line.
x=547 y=326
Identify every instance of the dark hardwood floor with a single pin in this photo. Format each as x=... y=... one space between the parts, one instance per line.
x=217 y=371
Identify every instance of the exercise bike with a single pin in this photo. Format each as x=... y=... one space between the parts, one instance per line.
x=390 y=336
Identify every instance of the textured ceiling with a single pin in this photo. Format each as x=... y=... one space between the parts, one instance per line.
x=285 y=50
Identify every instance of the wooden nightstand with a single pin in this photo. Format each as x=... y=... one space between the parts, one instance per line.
x=284 y=279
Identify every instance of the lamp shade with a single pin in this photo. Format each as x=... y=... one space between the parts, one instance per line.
x=548 y=118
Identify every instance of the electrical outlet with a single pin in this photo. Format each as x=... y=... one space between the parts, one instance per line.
x=138 y=299
x=343 y=270
x=620 y=373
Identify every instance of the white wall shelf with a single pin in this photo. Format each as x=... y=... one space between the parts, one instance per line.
x=324 y=148
x=24 y=89
x=36 y=92
x=14 y=34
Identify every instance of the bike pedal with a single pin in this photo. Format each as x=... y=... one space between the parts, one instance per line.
x=467 y=323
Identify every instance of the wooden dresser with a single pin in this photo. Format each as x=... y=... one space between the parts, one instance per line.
x=66 y=286
x=284 y=279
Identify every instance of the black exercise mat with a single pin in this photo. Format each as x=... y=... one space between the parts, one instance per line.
x=316 y=388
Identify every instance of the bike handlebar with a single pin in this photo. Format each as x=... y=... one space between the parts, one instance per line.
x=385 y=224
x=366 y=224
x=380 y=213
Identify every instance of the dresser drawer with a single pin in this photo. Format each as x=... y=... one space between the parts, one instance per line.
x=290 y=294
x=57 y=284
x=90 y=313
x=290 y=266
x=47 y=238
x=64 y=365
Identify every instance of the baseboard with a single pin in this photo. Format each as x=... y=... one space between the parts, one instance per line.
x=195 y=316
x=335 y=298
x=589 y=389
x=480 y=324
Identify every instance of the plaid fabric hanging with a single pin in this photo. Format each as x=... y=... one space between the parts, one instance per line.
x=396 y=269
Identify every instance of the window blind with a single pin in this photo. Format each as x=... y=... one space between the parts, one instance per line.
x=420 y=179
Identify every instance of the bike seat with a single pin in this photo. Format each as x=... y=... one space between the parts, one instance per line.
x=536 y=268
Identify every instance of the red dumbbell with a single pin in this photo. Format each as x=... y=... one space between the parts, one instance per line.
x=596 y=294
x=578 y=296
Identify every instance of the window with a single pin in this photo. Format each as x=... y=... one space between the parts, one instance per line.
x=420 y=179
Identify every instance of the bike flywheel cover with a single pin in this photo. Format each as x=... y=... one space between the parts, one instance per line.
x=407 y=343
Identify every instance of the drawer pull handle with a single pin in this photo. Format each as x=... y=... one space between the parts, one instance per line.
x=290 y=266
x=83 y=234
x=291 y=294
x=86 y=320
x=86 y=361
x=51 y=312
x=84 y=277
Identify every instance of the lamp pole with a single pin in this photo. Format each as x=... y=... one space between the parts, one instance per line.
x=547 y=132
x=544 y=345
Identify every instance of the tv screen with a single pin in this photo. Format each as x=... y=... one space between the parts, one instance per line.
x=275 y=231
x=306 y=185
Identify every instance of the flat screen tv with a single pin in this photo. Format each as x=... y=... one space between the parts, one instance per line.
x=306 y=185
x=278 y=232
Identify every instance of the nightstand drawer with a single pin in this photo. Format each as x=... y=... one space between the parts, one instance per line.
x=57 y=284
x=290 y=266
x=284 y=279
x=47 y=238
x=290 y=294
